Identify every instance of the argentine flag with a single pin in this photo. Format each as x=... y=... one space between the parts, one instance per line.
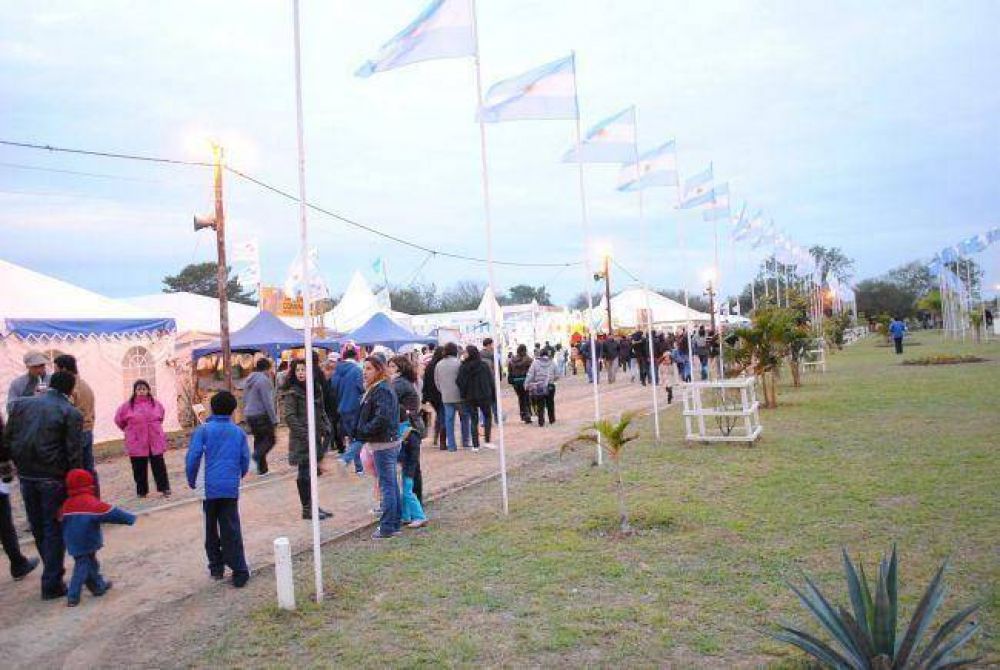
x=610 y=141
x=993 y=235
x=974 y=245
x=698 y=189
x=657 y=167
x=719 y=208
x=741 y=226
x=443 y=30
x=547 y=92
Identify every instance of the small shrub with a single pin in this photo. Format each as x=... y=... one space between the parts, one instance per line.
x=944 y=359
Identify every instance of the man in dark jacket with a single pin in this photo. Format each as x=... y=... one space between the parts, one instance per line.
x=517 y=370
x=478 y=388
x=260 y=411
x=20 y=565
x=610 y=352
x=45 y=437
x=640 y=351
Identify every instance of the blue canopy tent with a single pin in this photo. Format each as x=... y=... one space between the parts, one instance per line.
x=380 y=330
x=266 y=333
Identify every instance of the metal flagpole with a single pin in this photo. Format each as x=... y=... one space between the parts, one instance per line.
x=306 y=316
x=645 y=286
x=718 y=288
x=489 y=264
x=594 y=363
x=684 y=266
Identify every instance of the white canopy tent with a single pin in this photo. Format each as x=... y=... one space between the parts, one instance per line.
x=359 y=303
x=628 y=310
x=197 y=316
x=114 y=342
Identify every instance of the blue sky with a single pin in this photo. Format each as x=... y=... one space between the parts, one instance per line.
x=870 y=126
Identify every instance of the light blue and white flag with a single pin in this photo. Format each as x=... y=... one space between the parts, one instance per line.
x=741 y=225
x=719 y=207
x=443 y=30
x=378 y=266
x=657 y=167
x=767 y=232
x=610 y=141
x=993 y=235
x=698 y=189
x=545 y=93
x=974 y=245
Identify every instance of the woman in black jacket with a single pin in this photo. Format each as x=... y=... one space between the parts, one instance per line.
x=475 y=382
x=378 y=427
x=432 y=396
x=517 y=370
x=412 y=430
x=294 y=404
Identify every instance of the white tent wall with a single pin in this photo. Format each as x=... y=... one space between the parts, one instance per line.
x=627 y=306
x=110 y=365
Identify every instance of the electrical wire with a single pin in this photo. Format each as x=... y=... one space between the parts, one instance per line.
x=39 y=168
x=285 y=194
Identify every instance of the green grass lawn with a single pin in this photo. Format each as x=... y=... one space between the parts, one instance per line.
x=868 y=454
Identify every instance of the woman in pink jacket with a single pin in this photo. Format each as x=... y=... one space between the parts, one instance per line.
x=141 y=419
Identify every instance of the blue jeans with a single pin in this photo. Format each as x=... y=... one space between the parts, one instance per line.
x=348 y=421
x=87 y=450
x=450 y=409
x=42 y=500
x=86 y=570
x=385 y=467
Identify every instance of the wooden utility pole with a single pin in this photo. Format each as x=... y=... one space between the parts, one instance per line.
x=222 y=271
x=218 y=222
x=607 y=290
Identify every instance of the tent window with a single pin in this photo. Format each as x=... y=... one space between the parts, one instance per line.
x=138 y=364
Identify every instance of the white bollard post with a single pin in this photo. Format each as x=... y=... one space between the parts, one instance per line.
x=283 y=573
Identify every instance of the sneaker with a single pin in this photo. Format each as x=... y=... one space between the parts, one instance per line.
x=323 y=514
x=29 y=565
x=417 y=524
x=489 y=445
x=379 y=535
x=240 y=579
x=107 y=587
x=73 y=602
x=475 y=450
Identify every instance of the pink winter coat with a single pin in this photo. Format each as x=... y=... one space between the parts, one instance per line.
x=143 y=427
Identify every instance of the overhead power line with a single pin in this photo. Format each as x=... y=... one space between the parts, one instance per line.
x=285 y=194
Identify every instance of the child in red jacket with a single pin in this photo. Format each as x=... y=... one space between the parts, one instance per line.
x=82 y=515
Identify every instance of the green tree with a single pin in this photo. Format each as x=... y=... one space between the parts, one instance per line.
x=832 y=262
x=579 y=301
x=462 y=296
x=915 y=276
x=200 y=278
x=522 y=294
x=880 y=296
x=415 y=299
x=776 y=333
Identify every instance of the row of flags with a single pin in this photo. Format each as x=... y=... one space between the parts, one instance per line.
x=447 y=29
x=968 y=246
x=758 y=232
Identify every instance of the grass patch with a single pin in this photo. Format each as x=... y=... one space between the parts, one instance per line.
x=863 y=456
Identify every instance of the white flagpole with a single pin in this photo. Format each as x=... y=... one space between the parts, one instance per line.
x=489 y=264
x=645 y=286
x=718 y=289
x=594 y=362
x=684 y=265
x=306 y=316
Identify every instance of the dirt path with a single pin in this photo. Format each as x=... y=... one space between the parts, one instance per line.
x=159 y=564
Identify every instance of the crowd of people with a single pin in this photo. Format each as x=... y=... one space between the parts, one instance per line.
x=372 y=408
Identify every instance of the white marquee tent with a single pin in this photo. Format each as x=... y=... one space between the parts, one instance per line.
x=629 y=306
x=358 y=304
x=114 y=342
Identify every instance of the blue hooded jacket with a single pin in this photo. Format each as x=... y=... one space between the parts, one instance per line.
x=348 y=383
x=227 y=457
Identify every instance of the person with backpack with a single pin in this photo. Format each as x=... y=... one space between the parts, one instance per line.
x=517 y=371
x=540 y=383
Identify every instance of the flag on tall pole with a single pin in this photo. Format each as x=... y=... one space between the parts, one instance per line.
x=610 y=141
x=719 y=207
x=547 y=92
x=656 y=167
x=448 y=29
x=698 y=189
x=443 y=30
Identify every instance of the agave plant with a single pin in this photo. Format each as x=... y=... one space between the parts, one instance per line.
x=865 y=638
x=612 y=437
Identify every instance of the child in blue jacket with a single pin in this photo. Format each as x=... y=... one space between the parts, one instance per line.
x=82 y=515
x=223 y=445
